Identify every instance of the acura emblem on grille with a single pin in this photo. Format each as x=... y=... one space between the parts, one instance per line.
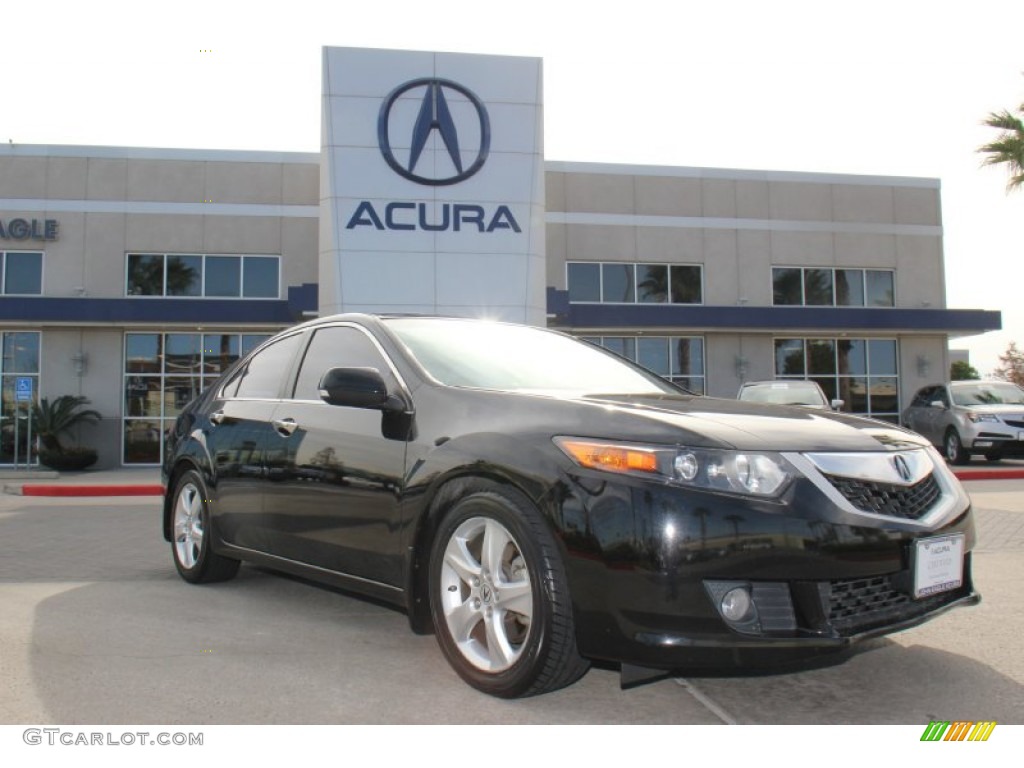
x=902 y=467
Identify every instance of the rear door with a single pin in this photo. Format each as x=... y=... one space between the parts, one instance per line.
x=240 y=425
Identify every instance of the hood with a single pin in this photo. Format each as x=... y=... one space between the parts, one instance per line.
x=994 y=407
x=715 y=422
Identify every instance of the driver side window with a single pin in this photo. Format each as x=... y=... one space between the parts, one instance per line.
x=338 y=347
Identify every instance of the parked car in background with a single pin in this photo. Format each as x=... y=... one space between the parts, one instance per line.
x=539 y=502
x=787 y=392
x=970 y=417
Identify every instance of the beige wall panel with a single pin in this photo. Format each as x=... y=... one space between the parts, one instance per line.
x=923 y=360
x=667 y=196
x=920 y=281
x=107 y=179
x=917 y=206
x=718 y=198
x=601 y=243
x=865 y=250
x=723 y=281
x=244 y=183
x=554 y=191
x=66 y=177
x=799 y=201
x=63 y=265
x=299 y=239
x=669 y=244
x=300 y=184
x=23 y=177
x=812 y=249
x=556 y=237
x=862 y=203
x=178 y=181
x=241 y=234
x=752 y=199
x=599 y=193
x=104 y=254
x=154 y=233
x=753 y=254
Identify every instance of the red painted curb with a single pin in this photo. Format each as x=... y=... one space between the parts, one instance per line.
x=92 y=490
x=990 y=474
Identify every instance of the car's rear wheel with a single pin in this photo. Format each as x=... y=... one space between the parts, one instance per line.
x=191 y=532
x=955 y=453
x=499 y=596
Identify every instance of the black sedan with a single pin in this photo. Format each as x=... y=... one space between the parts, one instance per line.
x=540 y=503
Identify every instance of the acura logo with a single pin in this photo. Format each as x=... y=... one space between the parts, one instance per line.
x=435 y=118
x=899 y=462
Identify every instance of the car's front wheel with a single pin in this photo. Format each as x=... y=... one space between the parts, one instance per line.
x=190 y=534
x=500 y=598
x=955 y=452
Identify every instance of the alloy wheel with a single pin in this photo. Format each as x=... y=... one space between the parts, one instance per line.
x=486 y=595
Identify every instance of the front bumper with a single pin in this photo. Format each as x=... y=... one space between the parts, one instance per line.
x=643 y=561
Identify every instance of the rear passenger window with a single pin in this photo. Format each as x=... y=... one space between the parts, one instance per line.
x=338 y=347
x=264 y=373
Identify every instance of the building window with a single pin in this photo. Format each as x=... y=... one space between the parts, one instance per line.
x=620 y=283
x=825 y=287
x=203 y=275
x=861 y=372
x=680 y=359
x=21 y=273
x=20 y=360
x=162 y=373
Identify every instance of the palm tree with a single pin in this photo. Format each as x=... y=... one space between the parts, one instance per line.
x=1008 y=148
x=53 y=419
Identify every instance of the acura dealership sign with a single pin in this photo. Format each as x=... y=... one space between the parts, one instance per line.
x=432 y=196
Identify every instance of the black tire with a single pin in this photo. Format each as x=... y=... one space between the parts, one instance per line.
x=191 y=533
x=522 y=642
x=954 y=448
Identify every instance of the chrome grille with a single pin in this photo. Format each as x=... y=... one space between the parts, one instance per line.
x=905 y=502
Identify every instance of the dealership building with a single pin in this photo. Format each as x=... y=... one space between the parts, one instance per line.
x=135 y=276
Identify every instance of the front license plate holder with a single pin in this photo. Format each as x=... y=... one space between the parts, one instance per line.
x=938 y=564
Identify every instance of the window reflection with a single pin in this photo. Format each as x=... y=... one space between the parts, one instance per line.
x=861 y=372
x=163 y=372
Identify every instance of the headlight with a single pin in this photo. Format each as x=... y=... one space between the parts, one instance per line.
x=976 y=417
x=754 y=473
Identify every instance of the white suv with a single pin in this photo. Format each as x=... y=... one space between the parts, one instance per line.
x=970 y=417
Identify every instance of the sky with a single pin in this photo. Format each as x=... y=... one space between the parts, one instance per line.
x=893 y=88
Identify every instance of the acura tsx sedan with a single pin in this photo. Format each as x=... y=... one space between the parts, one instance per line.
x=540 y=503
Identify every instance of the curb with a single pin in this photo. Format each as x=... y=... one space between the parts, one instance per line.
x=989 y=474
x=147 y=489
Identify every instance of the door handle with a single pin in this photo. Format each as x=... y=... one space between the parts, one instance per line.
x=285 y=426
x=217 y=417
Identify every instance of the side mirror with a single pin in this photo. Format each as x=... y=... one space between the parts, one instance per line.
x=355 y=388
x=937 y=404
x=838 y=404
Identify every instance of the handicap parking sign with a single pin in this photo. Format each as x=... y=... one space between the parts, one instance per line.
x=23 y=389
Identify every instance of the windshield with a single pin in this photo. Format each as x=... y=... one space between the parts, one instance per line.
x=486 y=355
x=783 y=393
x=987 y=394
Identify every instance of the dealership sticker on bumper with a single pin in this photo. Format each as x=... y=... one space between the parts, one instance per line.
x=938 y=564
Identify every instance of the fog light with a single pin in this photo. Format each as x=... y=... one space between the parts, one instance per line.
x=736 y=605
